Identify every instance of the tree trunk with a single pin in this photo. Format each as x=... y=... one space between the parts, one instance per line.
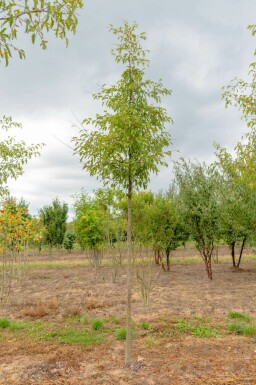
x=241 y=252
x=233 y=253
x=129 y=280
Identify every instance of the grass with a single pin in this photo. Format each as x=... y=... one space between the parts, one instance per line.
x=72 y=336
x=248 y=330
x=239 y=316
x=195 y=328
x=145 y=325
x=97 y=324
x=120 y=334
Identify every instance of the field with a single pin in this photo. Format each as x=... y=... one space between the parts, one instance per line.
x=64 y=325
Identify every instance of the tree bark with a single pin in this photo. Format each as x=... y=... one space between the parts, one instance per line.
x=129 y=280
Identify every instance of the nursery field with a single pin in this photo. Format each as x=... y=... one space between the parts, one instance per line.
x=65 y=324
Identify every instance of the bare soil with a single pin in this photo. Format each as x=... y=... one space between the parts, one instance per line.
x=160 y=356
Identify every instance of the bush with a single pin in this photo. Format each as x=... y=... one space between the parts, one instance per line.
x=97 y=324
x=121 y=334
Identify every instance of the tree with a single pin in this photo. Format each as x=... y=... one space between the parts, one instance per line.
x=242 y=93
x=54 y=219
x=13 y=155
x=238 y=194
x=35 y=18
x=198 y=195
x=167 y=229
x=128 y=142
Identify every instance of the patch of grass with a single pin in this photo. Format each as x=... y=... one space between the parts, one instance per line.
x=4 y=323
x=12 y=325
x=182 y=325
x=204 y=331
x=83 y=320
x=150 y=341
x=248 y=330
x=120 y=334
x=145 y=325
x=97 y=324
x=239 y=316
x=115 y=320
x=72 y=336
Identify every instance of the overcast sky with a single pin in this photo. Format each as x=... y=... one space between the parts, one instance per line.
x=196 y=47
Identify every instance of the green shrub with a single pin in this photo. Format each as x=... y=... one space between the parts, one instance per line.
x=4 y=323
x=121 y=334
x=97 y=324
x=145 y=325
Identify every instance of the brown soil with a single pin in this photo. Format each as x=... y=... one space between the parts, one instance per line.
x=53 y=295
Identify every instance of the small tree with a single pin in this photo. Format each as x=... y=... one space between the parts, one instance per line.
x=199 y=202
x=54 y=219
x=128 y=142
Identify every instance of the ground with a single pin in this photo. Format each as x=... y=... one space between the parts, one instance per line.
x=182 y=337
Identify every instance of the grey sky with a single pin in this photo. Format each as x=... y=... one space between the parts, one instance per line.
x=196 y=47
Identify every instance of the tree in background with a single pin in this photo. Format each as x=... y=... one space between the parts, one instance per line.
x=199 y=203
x=128 y=142
x=167 y=228
x=238 y=195
x=54 y=219
x=35 y=18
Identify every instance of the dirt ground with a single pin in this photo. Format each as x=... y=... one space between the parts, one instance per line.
x=160 y=356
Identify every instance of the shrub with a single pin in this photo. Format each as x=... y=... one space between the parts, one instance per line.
x=121 y=334
x=97 y=324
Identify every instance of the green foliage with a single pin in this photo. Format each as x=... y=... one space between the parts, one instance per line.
x=242 y=94
x=89 y=223
x=248 y=330
x=199 y=204
x=4 y=323
x=204 y=332
x=97 y=324
x=69 y=240
x=120 y=334
x=239 y=316
x=13 y=154
x=145 y=325
x=128 y=141
x=72 y=336
x=36 y=18
x=54 y=219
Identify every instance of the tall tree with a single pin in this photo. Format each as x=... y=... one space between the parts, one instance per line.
x=129 y=139
x=35 y=18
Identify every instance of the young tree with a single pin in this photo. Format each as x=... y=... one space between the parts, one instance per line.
x=54 y=219
x=167 y=229
x=129 y=139
x=35 y=18
x=198 y=194
x=238 y=194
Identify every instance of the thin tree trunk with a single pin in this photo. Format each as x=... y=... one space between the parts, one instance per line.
x=129 y=280
x=241 y=252
x=233 y=253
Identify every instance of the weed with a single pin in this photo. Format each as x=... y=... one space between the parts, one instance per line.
x=150 y=341
x=83 y=320
x=145 y=325
x=203 y=331
x=240 y=316
x=97 y=324
x=120 y=334
x=115 y=320
x=182 y=325
x=242 y=329
x=4 y=323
